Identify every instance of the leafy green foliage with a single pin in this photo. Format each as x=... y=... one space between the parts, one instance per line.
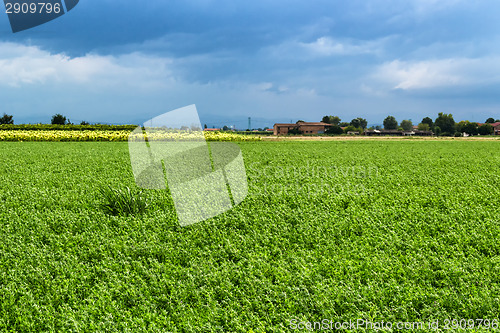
x=424 y=127
x=335 y=129
x=468 y=127
x=429 y=122
x=437 y=130
x=446 y=123
x=7 y=119
x=123 y=202
x=486 y=129
x=406 y=125
x=58 y=119
x=334 y=120
x=338 y=230
x=351 y=128
x=295 y=131
x=390 y=123
x=359 y=123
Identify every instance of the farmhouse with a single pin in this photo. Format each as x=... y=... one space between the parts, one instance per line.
x=301 y=126
x=496 y=128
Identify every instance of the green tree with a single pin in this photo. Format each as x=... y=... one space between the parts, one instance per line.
x=58 y=119
x=334 y=120
x=460 y=126
x=225 y=128
x=359 y=123
x=295 y=131
x=471 y=128
x=407 y=125
x=7 y=119
x=390 y=123
x=446 y=123
x=344 y=124
x=490 y=120
x=351 y=128
x=335 y=129
x=84 y=123
x=485 y=129
x=424 y=127
x=429 y=122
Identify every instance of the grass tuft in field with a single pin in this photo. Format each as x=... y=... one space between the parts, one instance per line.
x=123 y=202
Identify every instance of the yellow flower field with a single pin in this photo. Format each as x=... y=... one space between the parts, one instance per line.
x=96 y=135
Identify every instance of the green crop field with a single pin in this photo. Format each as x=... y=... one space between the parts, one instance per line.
x=377 y=230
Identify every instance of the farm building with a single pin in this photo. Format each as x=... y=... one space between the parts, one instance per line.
x=302 y=126
x=496 y=128
x=397 y=133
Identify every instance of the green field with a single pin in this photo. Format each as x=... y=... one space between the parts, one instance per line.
x=378 y=230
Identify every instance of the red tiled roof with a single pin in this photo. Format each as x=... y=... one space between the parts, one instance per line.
x=318 y=124
x=305 y=123
x=212 y=129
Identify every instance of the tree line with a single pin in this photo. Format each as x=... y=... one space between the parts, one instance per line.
x=443 y=125
x=57 y=119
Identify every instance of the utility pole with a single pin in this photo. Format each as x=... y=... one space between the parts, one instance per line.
x=249 y=123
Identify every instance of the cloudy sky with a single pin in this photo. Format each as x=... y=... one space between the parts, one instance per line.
x=127 y=61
